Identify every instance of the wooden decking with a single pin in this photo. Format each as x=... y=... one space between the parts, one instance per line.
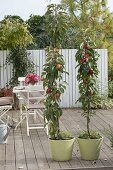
x=33 y=153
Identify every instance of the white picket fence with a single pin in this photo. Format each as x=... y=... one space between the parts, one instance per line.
x=71 y=94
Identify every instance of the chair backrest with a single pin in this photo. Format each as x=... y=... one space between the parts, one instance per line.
x=35 y=95
x=21 y=81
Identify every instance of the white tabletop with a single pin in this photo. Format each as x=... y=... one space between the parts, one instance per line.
x=18 y=89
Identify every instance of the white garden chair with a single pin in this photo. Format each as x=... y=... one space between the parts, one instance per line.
x=34 y=105
x=21 y=81
x=6 y=104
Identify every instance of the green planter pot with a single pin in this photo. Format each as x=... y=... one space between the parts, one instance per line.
x=89 y=148
x=61 y=150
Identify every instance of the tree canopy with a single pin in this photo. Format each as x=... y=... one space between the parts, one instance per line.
x=92 y=19
x=13 y=32
x=89 y=18
x=82 y=18
x=37 y=28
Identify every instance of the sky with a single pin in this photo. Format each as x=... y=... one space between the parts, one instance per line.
x=24 y=8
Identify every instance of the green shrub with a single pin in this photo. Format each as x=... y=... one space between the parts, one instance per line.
x=18 y=57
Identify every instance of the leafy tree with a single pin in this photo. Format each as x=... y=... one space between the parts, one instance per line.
x=52 y=80
x=14 y=36
x=18 y=56
x=12 y=18
x=87 y=59
x=37 y=28
x=90 y=18
x=54 y=68
x=57 y=20
x=13 y=33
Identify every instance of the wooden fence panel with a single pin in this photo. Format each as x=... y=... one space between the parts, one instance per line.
x=71 y=94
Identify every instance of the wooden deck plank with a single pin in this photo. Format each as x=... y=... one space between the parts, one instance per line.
x=2 y=156
x=103 y=154
x=29 y=151
x=74 y=161
x=19 y=150
x=46 y=148
x=64 y=164
x=72 y=128
x=82 y=126
x=39 y=153
x=33 y=152
x=10 y=152
x=101 y=125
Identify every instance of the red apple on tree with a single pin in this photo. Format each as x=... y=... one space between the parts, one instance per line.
x=83 y=60
x=49 y=90
x=57 y=95
x=87 y=55
x=58 y=66
x=90 y=72
x=86 y=46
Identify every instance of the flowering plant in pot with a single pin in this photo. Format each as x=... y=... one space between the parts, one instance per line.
x=87 y=58
x=32 y=78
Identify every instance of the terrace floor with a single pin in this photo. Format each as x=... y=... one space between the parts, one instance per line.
x=33 y=152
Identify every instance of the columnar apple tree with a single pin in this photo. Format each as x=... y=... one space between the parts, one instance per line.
x=87 y=58
x=52 y=80
x=54 y=68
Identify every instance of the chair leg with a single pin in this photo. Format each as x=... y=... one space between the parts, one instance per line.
x=20 y=122
x=34 y=114
x=46 y=127
x=20 y=105
x=27 y=121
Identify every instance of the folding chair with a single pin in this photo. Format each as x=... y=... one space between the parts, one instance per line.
x=5 y=105
x=21 y=81
x=34 y=105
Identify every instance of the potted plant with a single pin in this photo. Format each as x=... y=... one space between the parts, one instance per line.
x=32 y=79
x=61 y=143
x=89 y=141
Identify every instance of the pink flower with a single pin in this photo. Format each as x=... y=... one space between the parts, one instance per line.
x=32 y=78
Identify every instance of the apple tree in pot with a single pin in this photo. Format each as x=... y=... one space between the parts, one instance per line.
x=52 y=80
x=87 y=58
x=52 y=77
x=54 y=67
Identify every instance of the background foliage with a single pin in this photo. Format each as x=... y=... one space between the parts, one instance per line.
x=84 y=18
x=18 y=57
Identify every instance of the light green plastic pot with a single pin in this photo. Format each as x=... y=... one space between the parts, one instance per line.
x=61 y=150
x=90 y=148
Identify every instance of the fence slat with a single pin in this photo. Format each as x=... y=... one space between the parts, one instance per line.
x=71 y=94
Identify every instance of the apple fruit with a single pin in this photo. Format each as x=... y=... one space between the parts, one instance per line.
x=56 y=50
x=90 y=72
x=85 y=46
x=58 y=66
x=57 y=95
x=49 y=90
